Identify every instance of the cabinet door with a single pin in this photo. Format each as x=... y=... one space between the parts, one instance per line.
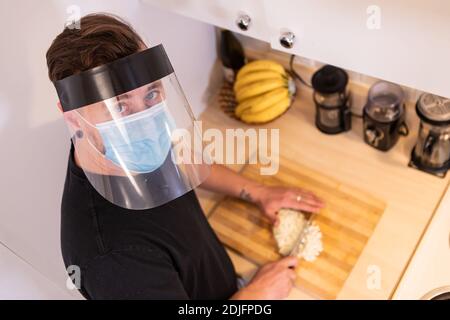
x=222 y=13
x=403 y=41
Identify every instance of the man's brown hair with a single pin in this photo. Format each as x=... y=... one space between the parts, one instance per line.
x=101 y=39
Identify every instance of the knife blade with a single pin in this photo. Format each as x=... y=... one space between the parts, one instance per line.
x=300 y=241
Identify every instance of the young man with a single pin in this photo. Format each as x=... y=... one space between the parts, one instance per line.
x=133 y=231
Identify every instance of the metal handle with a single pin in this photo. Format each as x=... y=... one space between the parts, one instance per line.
x=429 y=143
x=374 y=136
x=287 y=39
x=244 y=21
x=347 y=118
x=371 y=135
x=403 y=129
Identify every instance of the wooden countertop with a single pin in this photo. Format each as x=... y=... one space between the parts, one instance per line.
x=411 y=196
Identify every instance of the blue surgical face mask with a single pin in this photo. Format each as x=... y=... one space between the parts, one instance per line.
x=139 y=142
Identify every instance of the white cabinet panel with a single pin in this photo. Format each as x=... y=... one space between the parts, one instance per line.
x=222 y=13
x=411 y=46
x=403 y=41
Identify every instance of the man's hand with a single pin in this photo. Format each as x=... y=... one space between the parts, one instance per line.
x=273 y=281
x=271 y=199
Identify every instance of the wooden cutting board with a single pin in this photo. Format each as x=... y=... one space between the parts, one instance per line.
x=347 y=222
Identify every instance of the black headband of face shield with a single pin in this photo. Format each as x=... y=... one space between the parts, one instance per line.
x=113 y=79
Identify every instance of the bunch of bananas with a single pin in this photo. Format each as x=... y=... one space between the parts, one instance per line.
x=263 y=91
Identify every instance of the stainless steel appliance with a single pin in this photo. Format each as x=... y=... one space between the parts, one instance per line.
x=384 y=115
x=332 y=99
x=442 y=293
x=432 y=151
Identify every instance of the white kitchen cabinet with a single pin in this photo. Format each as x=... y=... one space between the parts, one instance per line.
x=403 y=41
x=222 y=13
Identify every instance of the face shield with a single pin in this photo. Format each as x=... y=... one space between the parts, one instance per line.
x=133 y=130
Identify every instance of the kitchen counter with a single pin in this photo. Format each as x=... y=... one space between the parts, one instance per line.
x=411 y=196
x=433 y=255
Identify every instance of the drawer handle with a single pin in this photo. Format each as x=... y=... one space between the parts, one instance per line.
x=287 y=39
x=244 y=21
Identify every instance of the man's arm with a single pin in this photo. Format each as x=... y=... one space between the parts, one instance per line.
x=225 y=181
x=269 y=199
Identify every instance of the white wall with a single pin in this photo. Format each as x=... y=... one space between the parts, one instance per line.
x=33 y=139
x=20 y=280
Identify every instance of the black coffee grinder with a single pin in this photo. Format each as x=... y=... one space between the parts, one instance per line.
x=333 y=114
x=384 y=115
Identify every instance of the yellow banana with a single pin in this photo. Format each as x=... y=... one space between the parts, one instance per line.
x=255 y=77
x=268 y=114
x=261 y=102
x=241 y=107
x=258 y=88
x=260 y=65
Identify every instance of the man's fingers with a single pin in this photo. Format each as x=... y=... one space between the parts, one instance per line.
x=303 y=197
x=302 y=205
x=313 y=200
x=276 y=222
x=289 y=262
x=272 y=216
x=309 y=197
x=308 y=208
x=292 y=275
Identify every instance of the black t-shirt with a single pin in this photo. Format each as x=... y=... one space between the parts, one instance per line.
x=168 y=252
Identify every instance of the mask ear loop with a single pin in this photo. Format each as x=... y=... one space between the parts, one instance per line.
x=101 y=154
x=84 y=119
x=80 y=134
x=128 y=173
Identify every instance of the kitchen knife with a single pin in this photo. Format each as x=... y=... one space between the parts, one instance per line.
x=301 y=239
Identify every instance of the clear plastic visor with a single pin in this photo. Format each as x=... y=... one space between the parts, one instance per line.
x=137 y=149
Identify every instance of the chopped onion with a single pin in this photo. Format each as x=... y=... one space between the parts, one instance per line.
x=286 y=233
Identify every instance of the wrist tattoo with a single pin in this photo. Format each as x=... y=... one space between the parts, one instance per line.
x=245 y=195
